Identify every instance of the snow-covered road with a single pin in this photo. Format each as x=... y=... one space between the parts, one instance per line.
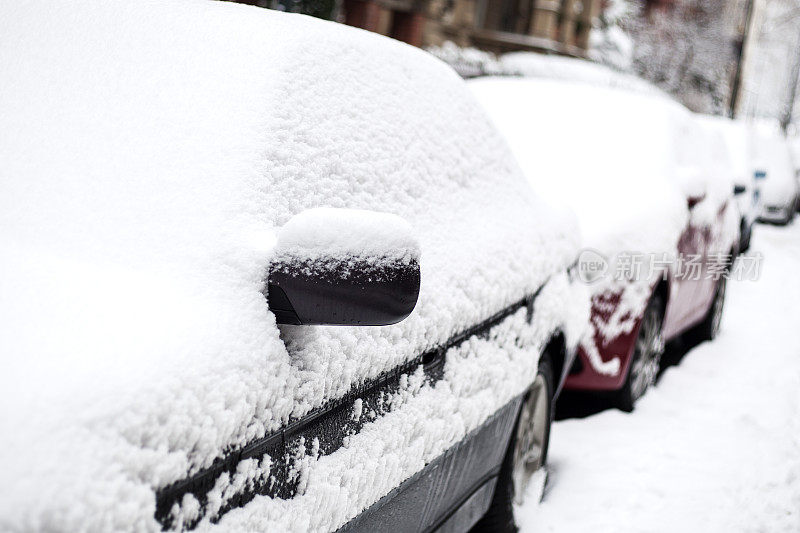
x=715 y=446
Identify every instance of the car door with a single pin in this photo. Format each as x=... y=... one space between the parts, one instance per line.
x=375 y=407
x=686 y=285
x=718 y=219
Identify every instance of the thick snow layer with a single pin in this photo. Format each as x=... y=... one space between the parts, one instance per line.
x=626 y=163
x=605 y=153
x=151 y=152
x=480 y=374
x=739 y=156
x=534 y=65
x=737 y=141
x=467 y=61
x=707 y=154
x=471 y=62
x=631 y=121
x=326 y=232
x=716 y=443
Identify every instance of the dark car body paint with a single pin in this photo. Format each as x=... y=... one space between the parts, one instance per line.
x=348 y=292
x=452 y=492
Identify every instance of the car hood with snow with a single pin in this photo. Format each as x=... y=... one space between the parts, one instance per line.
x=152 y=151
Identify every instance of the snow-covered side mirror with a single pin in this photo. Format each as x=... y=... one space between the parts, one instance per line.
x=344 y=267
x=693 y=185
x=692 y=201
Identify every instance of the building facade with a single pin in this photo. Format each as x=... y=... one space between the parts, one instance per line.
x=404 y=20
x=560 y=26
x=556 y=26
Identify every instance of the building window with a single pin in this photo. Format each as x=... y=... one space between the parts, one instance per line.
x=513 y=16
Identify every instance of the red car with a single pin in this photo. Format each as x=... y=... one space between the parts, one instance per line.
x=687 y=293
x=655 y=212
x=677 y=303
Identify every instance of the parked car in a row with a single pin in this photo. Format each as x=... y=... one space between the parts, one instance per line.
x=170 y=164
x=776 y=176
x=738 y=160
x=263 y=272
x=794 y=150
x=646 y=181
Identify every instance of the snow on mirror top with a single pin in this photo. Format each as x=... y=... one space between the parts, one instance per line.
x=150 y=152
x=324 y=232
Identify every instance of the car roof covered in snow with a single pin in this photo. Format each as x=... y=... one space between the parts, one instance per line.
x=607 y=153
x=575 y=70
x=735 y=134
x=150 y=152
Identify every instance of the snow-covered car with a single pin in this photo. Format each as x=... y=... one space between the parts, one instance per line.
x=737 y=159
x=166 y=165
x=794 y=150
x=635 y=170
x=780 y=192
x=573 y=70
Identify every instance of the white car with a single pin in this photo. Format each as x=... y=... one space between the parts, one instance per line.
x=774 y=171
x=166 y=165
x=736 y=158
x=794 y=149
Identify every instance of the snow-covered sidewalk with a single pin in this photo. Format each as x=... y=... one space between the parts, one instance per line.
x=715 y=446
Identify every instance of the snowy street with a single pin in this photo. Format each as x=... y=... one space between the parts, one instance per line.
x=715 y=445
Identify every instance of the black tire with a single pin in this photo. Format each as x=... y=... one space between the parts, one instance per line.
x=785 y=221
x=708 y=329
x=500 y=516
x=746 y=236
x=646 y=360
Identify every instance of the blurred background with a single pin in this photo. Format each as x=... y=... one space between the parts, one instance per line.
x=737 y=58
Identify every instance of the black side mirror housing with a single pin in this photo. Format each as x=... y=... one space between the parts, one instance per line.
x=343 y=292
x=739 y=189
x=344 y=267
x=692 y=201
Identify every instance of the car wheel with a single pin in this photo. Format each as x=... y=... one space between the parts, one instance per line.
x=708 y=329
x=647 y=352
x=746 y=234
x=788 y=216
x=526 y=454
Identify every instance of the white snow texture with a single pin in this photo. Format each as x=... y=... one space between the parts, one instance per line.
x=151 y=152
